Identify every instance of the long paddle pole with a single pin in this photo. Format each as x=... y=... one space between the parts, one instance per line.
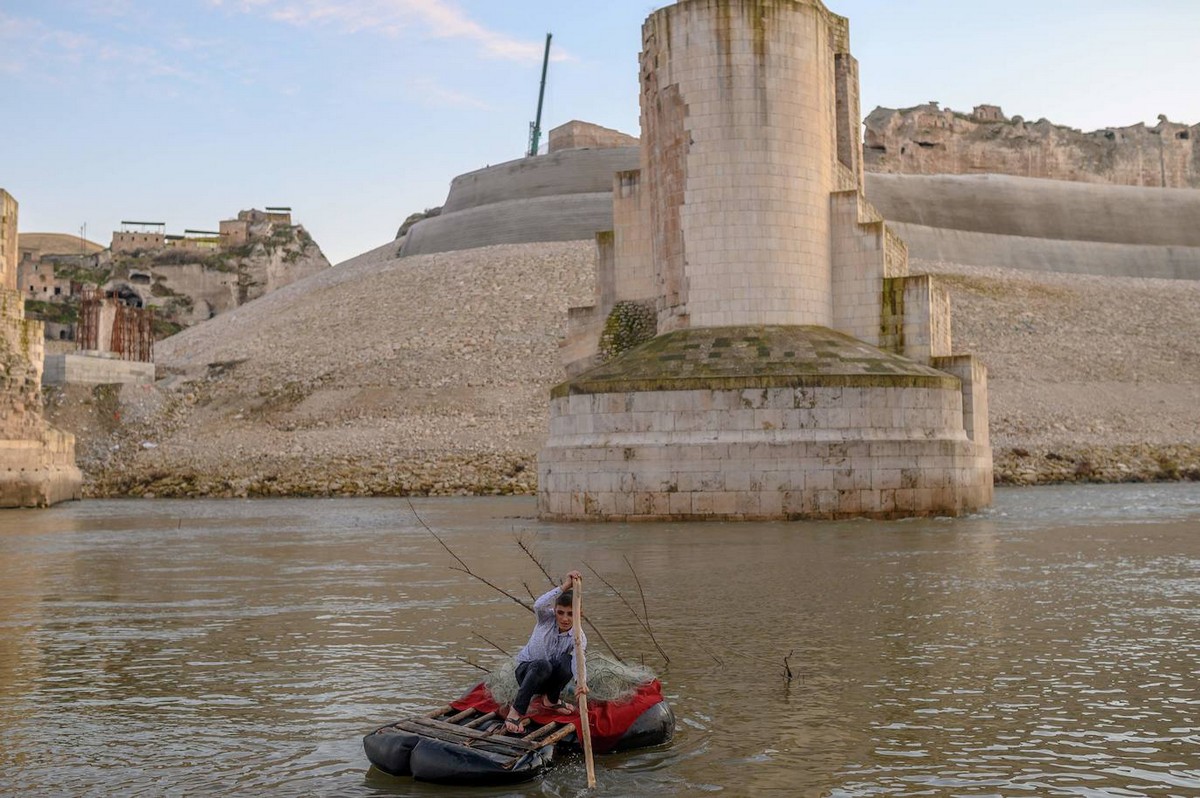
x=585 y=729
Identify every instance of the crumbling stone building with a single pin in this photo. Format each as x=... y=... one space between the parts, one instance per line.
x=37 y=462
x=758 y=348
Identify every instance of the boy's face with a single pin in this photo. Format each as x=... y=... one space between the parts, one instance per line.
x=565 y=616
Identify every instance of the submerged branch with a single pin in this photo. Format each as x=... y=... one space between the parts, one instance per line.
x=785 y=667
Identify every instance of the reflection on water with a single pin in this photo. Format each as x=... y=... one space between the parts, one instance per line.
x=1048 y=647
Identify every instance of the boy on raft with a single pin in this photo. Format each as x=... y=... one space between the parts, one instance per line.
x=547 y=662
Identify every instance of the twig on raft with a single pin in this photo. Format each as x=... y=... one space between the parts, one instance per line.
x=490 y=643
x=637 y=617
x=525 y=548
x=472 y=664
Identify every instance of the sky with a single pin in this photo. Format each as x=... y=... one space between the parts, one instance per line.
x=357 y=113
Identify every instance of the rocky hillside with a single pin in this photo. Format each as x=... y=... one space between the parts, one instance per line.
x=430 y=374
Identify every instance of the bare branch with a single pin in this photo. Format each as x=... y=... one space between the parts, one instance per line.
x=525 y=548
x=435 y=536
x=490 y=643
x=529 y=590
x=466 y=569
x=642 y=593
x=632 y=611
x=603 y=639
x=493 y=586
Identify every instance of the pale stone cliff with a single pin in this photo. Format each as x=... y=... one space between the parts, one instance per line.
x=928 y=139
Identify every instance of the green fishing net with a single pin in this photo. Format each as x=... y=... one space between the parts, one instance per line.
x=608 y=680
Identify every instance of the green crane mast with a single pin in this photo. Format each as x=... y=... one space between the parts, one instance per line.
x=535 y=127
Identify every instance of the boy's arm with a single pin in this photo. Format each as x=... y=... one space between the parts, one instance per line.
x=544 y=607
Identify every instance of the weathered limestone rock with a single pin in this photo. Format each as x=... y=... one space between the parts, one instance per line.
x=37 y=462
x=928 y=139
x=794 y=374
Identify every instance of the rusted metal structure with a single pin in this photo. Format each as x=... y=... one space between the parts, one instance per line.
x=108 y=325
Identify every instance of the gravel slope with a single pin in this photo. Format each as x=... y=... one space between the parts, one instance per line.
x=430 y=375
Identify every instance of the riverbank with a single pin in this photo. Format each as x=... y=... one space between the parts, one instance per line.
x=429 y=376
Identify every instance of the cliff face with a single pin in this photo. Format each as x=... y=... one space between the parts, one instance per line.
x=932 y=140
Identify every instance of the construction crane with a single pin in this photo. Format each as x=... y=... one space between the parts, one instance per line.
x=535 y=127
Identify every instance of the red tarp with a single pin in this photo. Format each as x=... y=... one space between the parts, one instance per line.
x=609 y=719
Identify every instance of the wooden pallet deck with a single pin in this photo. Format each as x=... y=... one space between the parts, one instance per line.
x=483 y=733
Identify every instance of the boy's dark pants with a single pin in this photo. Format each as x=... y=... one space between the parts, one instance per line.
x=542 y=677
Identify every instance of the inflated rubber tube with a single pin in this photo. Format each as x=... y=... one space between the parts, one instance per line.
x=655 y=726
x=448 y=763
x=390 y=750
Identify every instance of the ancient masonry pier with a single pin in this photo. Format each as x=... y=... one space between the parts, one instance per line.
x=758 y=349
x=37 y=461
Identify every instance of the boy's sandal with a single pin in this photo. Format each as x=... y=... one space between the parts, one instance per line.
x=515 y=725
x=561 y=707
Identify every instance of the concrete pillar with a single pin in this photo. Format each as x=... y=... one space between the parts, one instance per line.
x=738 y=125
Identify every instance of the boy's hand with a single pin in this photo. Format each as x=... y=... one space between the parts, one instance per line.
x=581 y=690
x=570 y=580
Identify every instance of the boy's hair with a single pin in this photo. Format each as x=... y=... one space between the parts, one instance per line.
x=565 y=599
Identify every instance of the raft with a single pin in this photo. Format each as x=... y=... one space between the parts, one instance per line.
x=465 y=743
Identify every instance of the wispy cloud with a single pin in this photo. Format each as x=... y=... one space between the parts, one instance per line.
x=437 y=19
x=30 y=44
x=429 y=93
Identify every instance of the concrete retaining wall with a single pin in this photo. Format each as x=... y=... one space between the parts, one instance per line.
x=987 y=220
x=519 y=221
x=1051 y=255
x=80 y=369
x=556 y=174
x=1052 y=209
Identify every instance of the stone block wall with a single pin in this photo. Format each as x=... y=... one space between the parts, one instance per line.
x=824 y=452
x=131 y=242
x=634 y=238
x=744 y=165
x=916 y=318
x=8 y=241
x=858 y=255
x=973 y=376
x=234 y=233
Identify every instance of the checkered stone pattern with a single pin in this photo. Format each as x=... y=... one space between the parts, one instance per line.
x=762 y=453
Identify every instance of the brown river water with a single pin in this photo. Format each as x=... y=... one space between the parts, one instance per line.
x=1050 y=646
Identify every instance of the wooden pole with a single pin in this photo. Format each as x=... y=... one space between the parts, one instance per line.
x=585 y=729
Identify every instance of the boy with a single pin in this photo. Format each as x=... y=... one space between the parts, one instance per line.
x=546 y=663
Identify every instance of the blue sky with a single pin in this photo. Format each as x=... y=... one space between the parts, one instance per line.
x=358 y=112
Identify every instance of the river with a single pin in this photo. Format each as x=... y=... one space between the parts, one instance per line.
x=1050 y=646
